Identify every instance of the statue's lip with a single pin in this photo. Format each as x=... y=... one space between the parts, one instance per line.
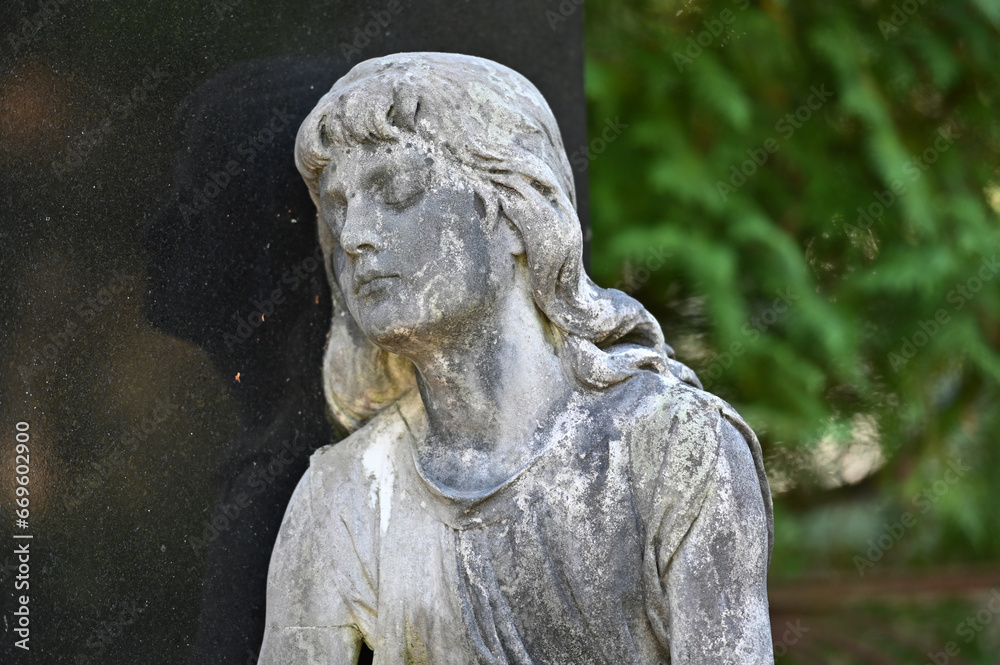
x=361 y=279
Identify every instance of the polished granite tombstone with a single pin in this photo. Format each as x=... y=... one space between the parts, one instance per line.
x=164 y=310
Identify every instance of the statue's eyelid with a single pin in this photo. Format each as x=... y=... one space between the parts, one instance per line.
x=407 y=199
x=405 y=188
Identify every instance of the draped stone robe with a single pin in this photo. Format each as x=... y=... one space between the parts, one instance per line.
x=641 y=534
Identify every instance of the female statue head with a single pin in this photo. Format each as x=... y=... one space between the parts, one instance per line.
x=486 y=126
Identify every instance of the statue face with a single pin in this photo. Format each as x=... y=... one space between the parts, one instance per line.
x=412 y=258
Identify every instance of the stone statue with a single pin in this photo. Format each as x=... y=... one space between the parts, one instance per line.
x=533 y=478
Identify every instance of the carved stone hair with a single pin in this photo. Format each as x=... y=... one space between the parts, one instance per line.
x=495 y=125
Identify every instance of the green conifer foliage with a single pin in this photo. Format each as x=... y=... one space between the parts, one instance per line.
x=807 y=195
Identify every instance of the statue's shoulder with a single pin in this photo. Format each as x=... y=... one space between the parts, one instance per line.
x=656 y=401
x=688 y=445
x=669 y=423
x=368 y=455
x=329 y=541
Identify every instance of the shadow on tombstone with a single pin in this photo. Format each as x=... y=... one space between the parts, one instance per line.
x=234 y=267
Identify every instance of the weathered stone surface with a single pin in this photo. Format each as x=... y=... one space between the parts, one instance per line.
x=533 y=478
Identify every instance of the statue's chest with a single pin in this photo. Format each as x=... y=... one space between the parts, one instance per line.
x=570 y=526
x=549 y=567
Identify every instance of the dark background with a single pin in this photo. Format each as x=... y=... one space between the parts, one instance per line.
x=149 y=207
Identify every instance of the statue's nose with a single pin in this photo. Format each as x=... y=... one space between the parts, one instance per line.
x=360 y=233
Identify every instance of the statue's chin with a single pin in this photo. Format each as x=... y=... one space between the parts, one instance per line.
x=395 y=327
x=391 y=336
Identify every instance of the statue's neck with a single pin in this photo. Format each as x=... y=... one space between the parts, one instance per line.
x=487 y=399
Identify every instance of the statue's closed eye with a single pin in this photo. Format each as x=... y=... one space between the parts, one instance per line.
x=403 y=189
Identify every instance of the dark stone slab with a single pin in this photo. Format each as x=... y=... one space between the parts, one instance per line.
x=150 y=211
